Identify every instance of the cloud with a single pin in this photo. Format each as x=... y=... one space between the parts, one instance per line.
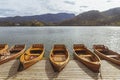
x=108 y=1
x=5 y=12
x=37 y=7
x=69 y=2
x=83 y=6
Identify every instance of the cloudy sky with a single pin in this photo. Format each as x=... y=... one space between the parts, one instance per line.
x=37 y=7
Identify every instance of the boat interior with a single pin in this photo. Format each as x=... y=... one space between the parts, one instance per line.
x=35 y=51
x=102 y=49
x=81 y=51
x=59 y=53
x=16 y=49
x=2 y=46
x=107 y=52
x=4 y=55
x=30 y=57
x=59 y=56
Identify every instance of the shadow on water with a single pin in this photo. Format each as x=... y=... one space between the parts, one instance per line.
x=13 y=70
x=94 y=76
x=51 y=74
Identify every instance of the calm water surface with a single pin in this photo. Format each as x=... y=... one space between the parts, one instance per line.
x=109 y=36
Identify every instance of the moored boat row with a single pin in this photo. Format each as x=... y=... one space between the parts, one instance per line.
x=59 y=55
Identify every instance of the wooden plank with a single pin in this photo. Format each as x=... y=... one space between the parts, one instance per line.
x=74 y=70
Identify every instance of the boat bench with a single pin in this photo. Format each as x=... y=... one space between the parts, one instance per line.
x=37 y=46
x=103 y=50
x=85 y=55
x=88 y=58
x=59 y=50
x=80 y=49
x=112 y=55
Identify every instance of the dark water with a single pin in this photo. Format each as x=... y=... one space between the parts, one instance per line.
x=109 y=36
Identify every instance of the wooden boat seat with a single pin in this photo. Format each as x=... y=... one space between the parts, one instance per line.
x=37 y=46
x=112 y=55
x=103 y=50
x=80 y=49
x=88 y=58
x=85 y=55
x=59 y=58
x=96 y=62
x=58 y=50
x=18 y=49
x=37 y=49
x=100 y=50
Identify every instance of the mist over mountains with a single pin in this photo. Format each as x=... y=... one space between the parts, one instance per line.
x=91 y=18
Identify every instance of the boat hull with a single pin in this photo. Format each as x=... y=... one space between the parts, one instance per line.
x=12 y=56
x=26 y=63
x=57 y=50
x=91 y=66
x=85 y=56
x=102 y=56
x=59 y=66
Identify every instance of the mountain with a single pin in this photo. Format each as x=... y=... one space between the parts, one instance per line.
x=110 y=17
x=95 y=18
x=112 y=12
x=37 y=20
x=44 y=18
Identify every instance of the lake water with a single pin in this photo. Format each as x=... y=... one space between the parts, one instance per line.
x=109 y=36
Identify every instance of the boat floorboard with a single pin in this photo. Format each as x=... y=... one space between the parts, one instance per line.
x=74 y=70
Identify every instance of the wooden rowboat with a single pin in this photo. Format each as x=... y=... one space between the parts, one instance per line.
x=31 y=56
x=14 y=52
x=3 y=48
x=85 y=56
x=104 y=53
x=59 y=57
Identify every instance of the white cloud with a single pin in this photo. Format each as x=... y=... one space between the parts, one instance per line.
x=70 y=2
x=37 y=7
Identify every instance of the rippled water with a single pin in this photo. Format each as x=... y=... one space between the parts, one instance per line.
x=109 y=36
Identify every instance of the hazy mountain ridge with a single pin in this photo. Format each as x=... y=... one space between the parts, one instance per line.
x=95 y=18
x=45 y=19
x=91 y=18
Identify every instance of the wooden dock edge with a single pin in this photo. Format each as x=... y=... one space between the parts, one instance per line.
x=74 y=70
